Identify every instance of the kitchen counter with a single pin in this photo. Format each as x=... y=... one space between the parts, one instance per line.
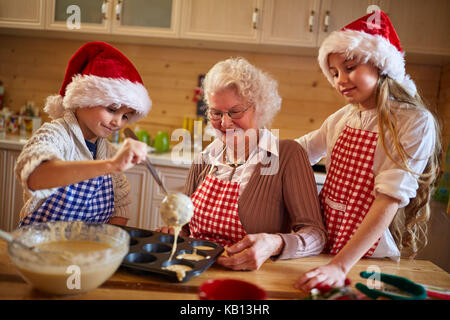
x=277 y=278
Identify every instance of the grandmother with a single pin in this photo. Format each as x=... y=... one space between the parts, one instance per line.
x=253 y=193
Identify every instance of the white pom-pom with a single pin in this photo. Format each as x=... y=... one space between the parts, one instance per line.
x=409 y=85
x=54 y=106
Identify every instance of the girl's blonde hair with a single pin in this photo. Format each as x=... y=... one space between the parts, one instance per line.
x=250 y=83
x=410 y=224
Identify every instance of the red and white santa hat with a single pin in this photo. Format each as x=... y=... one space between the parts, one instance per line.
x=371 y=38
x=100 y=75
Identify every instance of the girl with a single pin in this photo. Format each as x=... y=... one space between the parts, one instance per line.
x=382 y=151
x=68 y=170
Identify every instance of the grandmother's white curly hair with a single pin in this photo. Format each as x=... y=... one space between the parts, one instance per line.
x=251 y=84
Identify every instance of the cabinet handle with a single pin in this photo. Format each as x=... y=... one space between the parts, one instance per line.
x=326 y=21
x=104 y=9
x=311 y=21
x=255 y=18
x=118 y=9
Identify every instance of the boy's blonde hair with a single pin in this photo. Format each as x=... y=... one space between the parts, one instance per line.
x=410 y=224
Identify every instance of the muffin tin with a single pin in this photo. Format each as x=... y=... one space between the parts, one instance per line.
x=150 y=250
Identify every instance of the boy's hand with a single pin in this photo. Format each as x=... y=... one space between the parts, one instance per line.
x=130 y=153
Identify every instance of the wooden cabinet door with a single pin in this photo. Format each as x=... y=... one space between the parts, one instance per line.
x=13 y=196
x=336 y=14
x=140 y=194
x=93 y=15
x=221 y=20
x=422 y=26
x=158 y=18
x=3 y=190
x=28 y=14
x=290 y=22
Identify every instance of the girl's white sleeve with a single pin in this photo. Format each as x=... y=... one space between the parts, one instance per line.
x=417 y=136
x=315 y=143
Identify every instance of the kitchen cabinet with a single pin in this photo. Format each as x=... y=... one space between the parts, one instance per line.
x=231 y=20
x=290 y=22
x=422 y=26
x=156 y=18
x=140 y=189
x=336 y=14
x=281 y=22
x=27 y=14
x=11 y=192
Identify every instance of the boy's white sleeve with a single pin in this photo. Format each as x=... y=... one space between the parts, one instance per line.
x=122 y=188
x=315 y=144
x=418 y=137
x=122 y=198
x=45 y=145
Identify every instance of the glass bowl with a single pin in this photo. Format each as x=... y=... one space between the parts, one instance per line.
x=91 y=253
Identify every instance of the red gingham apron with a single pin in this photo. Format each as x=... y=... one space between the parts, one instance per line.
x=347 y=195
x=216 y=212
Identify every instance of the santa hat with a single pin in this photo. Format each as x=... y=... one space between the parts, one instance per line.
x=99 y=75
x=371 y=38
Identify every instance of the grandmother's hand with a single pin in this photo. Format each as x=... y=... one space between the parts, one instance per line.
x=252 y=251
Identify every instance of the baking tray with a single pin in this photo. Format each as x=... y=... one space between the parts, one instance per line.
x=150 y=250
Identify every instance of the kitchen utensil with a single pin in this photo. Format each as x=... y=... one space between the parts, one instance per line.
x=130 y=134
x=40 y=254
x=176 y=208
x=150 y=251
x=230 y=289
x=394 y=287
x=9 y=238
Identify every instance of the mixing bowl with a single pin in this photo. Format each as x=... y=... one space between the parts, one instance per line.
x=75 y=256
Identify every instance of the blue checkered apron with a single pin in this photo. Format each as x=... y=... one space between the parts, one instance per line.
x=90 y=200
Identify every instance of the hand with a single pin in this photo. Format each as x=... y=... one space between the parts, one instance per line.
x=118 y=221
x=330 y=274
x=165 y=229
x=252 y=251
x=170 y=230
x=130 y=153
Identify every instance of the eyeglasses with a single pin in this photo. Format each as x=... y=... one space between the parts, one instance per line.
x=215 y=115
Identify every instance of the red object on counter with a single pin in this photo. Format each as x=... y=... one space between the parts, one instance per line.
x=230 y=289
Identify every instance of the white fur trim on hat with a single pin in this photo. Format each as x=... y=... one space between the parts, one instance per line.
x=90 y=91
x=54 y=106
x=366 y=48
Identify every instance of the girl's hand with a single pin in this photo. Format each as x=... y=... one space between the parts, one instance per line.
x=130 y=153
x=330 y=274
x=252 y=251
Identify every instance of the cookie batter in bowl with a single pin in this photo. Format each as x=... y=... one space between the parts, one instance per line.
x=92 y=253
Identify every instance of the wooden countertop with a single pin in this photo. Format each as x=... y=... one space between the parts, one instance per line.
x=277 y=278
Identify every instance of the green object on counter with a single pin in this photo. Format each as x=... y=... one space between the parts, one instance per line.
x=408 y=289
x=161 y=143
x=442 y=192
x=144 y=136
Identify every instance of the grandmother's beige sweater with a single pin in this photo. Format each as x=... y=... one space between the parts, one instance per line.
x=283 y=202
x=62 y=139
